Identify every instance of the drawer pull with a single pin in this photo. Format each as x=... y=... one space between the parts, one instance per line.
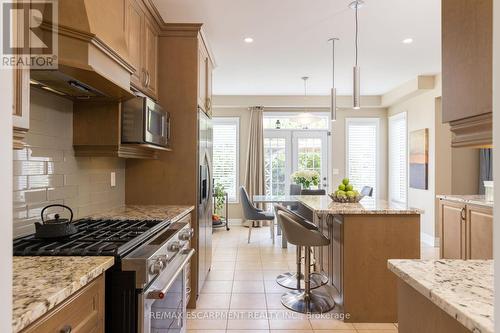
x=66 y=329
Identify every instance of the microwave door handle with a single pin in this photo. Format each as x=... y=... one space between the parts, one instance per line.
x=168 y=128
x=163 y=126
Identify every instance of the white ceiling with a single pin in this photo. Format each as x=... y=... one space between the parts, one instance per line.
x=291 y=42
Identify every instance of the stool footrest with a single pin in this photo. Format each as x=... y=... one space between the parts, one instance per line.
x=317 y=301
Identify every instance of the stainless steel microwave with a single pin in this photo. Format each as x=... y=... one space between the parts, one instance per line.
x=145 y=121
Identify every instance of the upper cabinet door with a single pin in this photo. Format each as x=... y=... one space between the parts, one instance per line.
x=467 y=69
x=150 y=58
x=209 y=69
x=202 y=78
x=467 y=58
x=134 y=21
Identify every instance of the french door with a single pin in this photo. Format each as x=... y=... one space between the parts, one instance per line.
x=287 y=151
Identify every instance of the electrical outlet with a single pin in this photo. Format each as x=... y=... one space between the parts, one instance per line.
x=113 y=179
x=335 y=171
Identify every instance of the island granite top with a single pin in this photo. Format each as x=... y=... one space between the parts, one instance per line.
x=463 y=289
x=325 y=205
x=41 y=283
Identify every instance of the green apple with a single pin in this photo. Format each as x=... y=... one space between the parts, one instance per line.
x=341 y=187
x=350 y=194
x=341 y=194
x=349 y=187
x=345 y=181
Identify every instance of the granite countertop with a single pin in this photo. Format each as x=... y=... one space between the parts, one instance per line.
x=463 y=289
x=474 y=199
x=41 y=283
x=145 y=212
x=325 y=205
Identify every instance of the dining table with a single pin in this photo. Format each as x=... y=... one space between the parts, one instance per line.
x=285 y=200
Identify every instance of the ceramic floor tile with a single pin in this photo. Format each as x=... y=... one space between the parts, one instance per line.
x=248 y=287
x=248 y=319
x=212 y=319
x=220 y=275
x=206 y=331
x=223 y=265
x=213 y=301
x=248 y=301
x=217 y=287
x=247 y=331
x=248 y=275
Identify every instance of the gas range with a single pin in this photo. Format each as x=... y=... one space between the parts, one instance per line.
x=150 y=274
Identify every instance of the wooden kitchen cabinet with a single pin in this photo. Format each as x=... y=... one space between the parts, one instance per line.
x=479 y=232
x=142 y=43
x=81 y=313
x=205 y=68
x=21 y=94
x=134 y=21
x=466 y=231
x=467 y=70
x=452 y=224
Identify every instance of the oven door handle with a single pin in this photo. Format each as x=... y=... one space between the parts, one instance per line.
x=160 y=294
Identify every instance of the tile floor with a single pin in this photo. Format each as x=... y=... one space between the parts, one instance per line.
x=241 y=295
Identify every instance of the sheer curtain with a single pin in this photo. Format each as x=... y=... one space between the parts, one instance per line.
x=485 y=167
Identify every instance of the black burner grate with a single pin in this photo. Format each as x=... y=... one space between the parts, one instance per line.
x=94 y=238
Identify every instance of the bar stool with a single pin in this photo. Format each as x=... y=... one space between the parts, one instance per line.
x=295 y=280
x=307 y=300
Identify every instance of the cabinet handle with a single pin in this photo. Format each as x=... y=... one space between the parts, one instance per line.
x=145 y=83
x=463 y=215
x=149 y=79
x=66 y=329
x=208 y=104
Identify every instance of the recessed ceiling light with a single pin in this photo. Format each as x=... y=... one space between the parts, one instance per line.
x=407 y=40
x=248 y=40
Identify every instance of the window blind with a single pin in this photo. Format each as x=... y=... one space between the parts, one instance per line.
x=226 y=155
x=398 y=158
x=362 y=152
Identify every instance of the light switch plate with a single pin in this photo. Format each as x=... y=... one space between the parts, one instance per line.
x=335 y=171
x=113 y=179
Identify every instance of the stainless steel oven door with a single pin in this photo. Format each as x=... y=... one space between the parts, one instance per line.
x=162 y=306
x=155 y=124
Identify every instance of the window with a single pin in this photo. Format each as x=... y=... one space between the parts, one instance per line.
x=226 y=154
x=398 y=158
x=276 y=170
x=362 y=152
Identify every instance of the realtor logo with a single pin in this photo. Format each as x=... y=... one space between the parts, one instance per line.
x=29 y=34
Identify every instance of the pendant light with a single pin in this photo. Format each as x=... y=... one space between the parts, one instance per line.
x=304 y=118
x=333 y=92
x=356 y=99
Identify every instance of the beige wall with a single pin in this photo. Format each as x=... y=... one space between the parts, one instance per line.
x=237 y=106
x=48 y=172
x=451 y=171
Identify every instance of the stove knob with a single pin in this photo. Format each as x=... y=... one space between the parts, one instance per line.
x=163 y=259
x=174 y=246
x=186 y=235
x=156 y=267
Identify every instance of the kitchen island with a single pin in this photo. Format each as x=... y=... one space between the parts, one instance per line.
x=363 y=237
x=444 y=296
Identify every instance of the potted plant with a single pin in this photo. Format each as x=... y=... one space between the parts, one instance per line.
x=219 y=201
x=306 y=178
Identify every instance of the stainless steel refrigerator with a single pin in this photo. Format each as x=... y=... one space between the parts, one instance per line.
x=205 y=188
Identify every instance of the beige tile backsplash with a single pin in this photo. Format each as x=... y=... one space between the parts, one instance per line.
x=48 y=172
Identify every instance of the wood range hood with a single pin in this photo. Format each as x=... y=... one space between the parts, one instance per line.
x=92 y=52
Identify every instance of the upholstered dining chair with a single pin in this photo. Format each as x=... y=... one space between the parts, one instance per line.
x=252 y=213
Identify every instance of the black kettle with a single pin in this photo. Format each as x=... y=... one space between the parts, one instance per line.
x=57 y=227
